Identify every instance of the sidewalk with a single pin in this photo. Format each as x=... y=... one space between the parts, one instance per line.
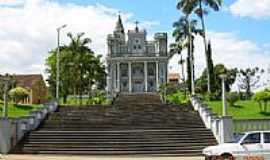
x=47 y=157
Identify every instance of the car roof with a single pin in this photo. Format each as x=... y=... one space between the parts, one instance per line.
x=257 y=132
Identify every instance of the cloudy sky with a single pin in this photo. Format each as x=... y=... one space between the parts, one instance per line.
x=240 y=32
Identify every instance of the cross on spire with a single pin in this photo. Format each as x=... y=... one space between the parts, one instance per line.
x=137 y=22
x=137 y=28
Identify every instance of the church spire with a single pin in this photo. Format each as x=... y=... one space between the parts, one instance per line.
x=119 y=26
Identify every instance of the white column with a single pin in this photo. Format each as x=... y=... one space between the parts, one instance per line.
x=114 y=73
x=5 y=135
x=129 y=77
x=226 y=129
x=118 y=76
x=157 y=76
x=224 y=104
x=145 y=77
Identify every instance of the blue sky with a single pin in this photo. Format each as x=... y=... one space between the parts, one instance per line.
x=164 y=12
x=239 y=33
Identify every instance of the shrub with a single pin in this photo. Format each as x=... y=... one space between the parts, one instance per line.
x=262 y=97
x=232 y=98
x=18 y=94
x=178 y=98
x=212 y=96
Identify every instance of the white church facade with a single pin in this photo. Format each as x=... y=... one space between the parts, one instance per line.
x=134 y=64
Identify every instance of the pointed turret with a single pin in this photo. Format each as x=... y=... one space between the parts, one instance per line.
x=119 y=26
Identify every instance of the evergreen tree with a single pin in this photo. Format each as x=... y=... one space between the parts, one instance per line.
x=210 y=66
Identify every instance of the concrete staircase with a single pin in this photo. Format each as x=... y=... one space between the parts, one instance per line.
x=135 y=124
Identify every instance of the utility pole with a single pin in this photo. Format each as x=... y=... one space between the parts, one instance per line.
x=224 y=101
x=191 y=58
x=58 y=62
x=5 y=109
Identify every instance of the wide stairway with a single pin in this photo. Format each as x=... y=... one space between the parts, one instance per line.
x=135 y=125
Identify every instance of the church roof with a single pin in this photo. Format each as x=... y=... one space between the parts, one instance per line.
x=119 y=26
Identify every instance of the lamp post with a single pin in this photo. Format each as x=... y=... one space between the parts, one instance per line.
x=224 y=101
x=58 y=61
x=191 y=59
x=5 y=111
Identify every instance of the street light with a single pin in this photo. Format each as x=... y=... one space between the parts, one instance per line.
x=224 y=103
x=191 y=58
x=58 y=61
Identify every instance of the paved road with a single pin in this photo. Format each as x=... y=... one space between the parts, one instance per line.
x=46 y=157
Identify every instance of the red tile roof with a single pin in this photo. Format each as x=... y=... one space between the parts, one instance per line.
x=28 y=81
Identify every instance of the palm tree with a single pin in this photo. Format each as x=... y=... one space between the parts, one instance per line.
x=184 y=39
x=182 y=62
x=79 y=48
x=189 y=6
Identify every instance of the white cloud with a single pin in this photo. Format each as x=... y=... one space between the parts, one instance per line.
x=11 y=2
x=28 y=32
x=228 y=49
x=251 y=8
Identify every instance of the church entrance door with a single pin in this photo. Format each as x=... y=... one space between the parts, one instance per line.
x=138 y=77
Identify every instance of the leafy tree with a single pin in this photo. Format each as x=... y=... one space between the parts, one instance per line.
x=262 y=98
x=219 y=69
x=199 y=7
x=80 y=69
x=183 y=38
x=18 y=94
x=248 y=79
x=232 y=98
x=12 y=83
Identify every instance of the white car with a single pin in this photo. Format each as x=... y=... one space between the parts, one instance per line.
x=251 y=145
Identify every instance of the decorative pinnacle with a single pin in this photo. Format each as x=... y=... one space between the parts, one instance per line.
x=137 y=28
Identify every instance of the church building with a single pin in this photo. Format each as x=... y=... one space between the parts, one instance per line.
x=135 y=65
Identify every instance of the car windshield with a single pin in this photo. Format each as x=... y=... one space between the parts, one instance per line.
x=237 y=138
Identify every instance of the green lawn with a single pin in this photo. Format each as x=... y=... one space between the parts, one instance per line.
x=19 y=110
x=241 y=110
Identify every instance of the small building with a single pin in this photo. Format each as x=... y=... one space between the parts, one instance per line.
x=174 y=78
x=35 y=85
x=134 y=63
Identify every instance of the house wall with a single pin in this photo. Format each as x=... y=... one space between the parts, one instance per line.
x=39 y=93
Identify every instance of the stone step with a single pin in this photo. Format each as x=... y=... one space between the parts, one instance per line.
x=120 y=136
x=114 y=148
x=135 y=124
x=99 y=142
x=127 y=131
x=180 y=153
x=55 y=128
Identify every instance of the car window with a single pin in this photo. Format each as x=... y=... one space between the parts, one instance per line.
x=252 y=138
x=266 y=137
x=237 y=138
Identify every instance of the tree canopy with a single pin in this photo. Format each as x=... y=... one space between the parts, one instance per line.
x=219 y=69
x=248 y=79
x=80 y=68
x=18 y=94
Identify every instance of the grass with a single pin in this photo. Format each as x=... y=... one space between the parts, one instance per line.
x=241 y=110
x=19 y=110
